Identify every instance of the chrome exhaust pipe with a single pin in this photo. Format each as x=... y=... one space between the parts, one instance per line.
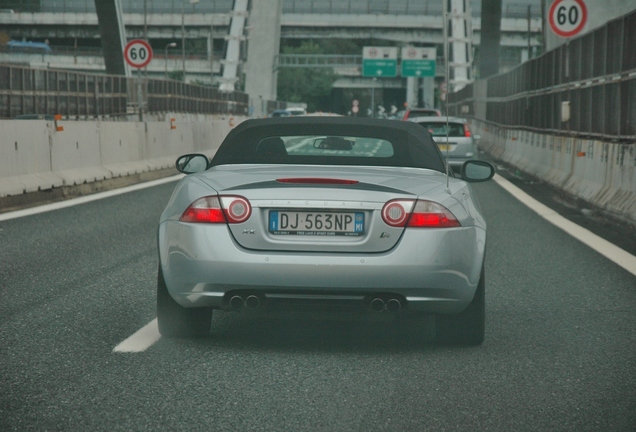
x=393 y=305
x=236 y=302
x=377 y=305
x=252 y=302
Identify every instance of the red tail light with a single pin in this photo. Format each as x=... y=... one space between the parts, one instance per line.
x=395 y=213
x=467 y=132
x=418 y=214
x=428 y=214
x=237 y=209
x=214 y=209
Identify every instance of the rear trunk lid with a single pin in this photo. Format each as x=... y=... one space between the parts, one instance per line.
x=320 y=214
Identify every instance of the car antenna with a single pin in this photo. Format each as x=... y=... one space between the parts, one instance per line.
x=447 y=73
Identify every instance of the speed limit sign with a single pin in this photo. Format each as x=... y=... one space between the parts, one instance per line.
x=138 y=53
x=567 y=17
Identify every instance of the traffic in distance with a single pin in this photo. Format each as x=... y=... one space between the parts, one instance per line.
x=453 y=137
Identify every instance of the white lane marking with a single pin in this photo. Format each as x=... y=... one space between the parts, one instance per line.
x=143 y=339
x=600 y=245
x=82 y=200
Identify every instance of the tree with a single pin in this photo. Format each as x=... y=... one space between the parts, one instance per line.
x=309 y=85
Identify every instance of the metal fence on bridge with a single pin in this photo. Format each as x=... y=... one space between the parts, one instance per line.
x=594 y=74
x=45 y=91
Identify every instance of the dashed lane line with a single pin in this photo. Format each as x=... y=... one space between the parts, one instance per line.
x=143 y=339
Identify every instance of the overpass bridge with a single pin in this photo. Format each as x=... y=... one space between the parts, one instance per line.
x=71 y=28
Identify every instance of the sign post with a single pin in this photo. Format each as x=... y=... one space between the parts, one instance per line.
x=567 y=17
x=138 y=54
x=378 y=62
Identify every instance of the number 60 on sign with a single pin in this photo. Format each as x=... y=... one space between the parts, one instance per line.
x=567 y=17
x=138 y=53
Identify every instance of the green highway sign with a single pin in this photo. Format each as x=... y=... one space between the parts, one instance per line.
x=379 y=68
x=418 y=68
x=379 y=61
x=419 y=62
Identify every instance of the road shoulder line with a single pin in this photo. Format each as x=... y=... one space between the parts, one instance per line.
x=599 y=244
x=86 y=199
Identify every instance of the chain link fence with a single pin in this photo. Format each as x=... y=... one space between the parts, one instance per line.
x=593 y=77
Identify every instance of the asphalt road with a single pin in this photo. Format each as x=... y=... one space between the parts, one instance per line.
x=560 y=349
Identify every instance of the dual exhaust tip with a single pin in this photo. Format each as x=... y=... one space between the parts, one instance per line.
x=391 y=305
x=254 y=302
x=250 y=302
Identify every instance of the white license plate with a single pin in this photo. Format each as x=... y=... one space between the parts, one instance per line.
x=316 y=223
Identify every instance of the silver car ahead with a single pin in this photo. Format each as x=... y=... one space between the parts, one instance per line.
x=459 y=146
x=321 y=212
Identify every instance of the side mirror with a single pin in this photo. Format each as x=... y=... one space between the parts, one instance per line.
x=192 y=163
x=477 y=171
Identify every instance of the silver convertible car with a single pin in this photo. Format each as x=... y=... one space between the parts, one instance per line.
x=321 y=213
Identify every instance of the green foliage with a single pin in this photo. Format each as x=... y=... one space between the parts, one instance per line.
x=175 y=75
x=309 y=85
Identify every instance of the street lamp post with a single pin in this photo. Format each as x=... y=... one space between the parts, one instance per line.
x=212 y=48
x=192 y=2
x=165 y=56
x=373 y=97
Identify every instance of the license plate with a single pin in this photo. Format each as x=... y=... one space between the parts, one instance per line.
x=443 y=147
x=316 y=223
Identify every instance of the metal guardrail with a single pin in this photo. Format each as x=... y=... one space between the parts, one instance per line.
x=317 y=60
x=594 y=73
x=44 y=91
x=99 y=52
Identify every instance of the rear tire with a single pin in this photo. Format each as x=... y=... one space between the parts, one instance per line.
x=176 y=321
x=468 y=327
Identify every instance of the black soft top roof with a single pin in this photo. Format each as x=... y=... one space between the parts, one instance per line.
x=412 y=144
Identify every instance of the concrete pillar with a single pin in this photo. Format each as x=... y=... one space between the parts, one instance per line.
x=263 y=45
x=480 y=93
x=428 y=92
x=113 y=36
x=412 y=88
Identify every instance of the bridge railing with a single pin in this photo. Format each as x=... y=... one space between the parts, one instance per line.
x=99 y=52
x=45 y=91
x=593 y=77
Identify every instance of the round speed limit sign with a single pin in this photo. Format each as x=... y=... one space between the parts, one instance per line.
x=138 y=53
x=567 y=17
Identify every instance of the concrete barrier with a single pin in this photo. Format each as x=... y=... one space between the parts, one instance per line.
x=25 y=157
x=601 y=173
x=35 y=156
x=76 y=155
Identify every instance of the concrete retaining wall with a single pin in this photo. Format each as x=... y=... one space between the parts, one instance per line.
x=598 y=172
x=35 y=156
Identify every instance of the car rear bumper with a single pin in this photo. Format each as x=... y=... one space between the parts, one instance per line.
x=431 y=270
